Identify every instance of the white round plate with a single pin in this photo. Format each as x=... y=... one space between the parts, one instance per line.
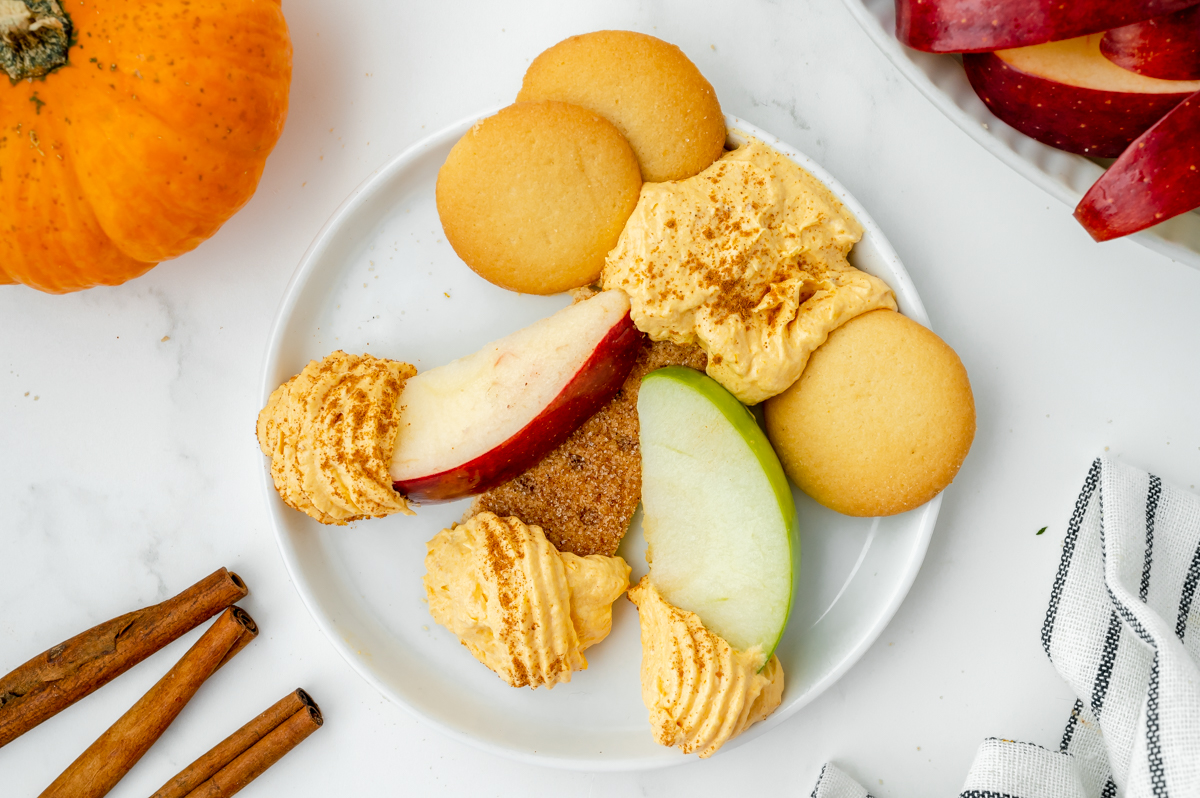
x=380 y=278
x=1062 y=174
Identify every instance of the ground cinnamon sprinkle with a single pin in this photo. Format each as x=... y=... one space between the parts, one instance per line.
x=329 y=432
x=584 y=493
x=748 y=259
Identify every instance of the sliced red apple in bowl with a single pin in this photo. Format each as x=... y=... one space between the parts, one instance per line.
x=1166 y=47
x=962 y=26
x=476 y=422
x=1068 y=95
x=1156 y=178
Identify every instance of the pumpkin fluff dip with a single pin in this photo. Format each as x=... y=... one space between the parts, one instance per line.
x=748 y=260
x=126 y=137
x=520 y=606
x=330 y=432
x=701 y=692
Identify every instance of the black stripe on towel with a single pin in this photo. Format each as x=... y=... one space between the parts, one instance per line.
x=1072 y=723
x=1085 y=496
x=1158 y=776
x=1189 y=590
x=983 y=794
x=820 y=776
x=1107 y=657
x=1152 y=497
x=1158 y=780
x=1110 y=789
x=1126 y=614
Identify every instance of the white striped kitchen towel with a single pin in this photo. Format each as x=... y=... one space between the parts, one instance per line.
x=1122 y=630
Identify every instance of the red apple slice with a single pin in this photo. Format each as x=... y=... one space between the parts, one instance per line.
x=1068 y=95
x=972 y=26
x=1156 y=178
x=481 y=420
x=1165 y=47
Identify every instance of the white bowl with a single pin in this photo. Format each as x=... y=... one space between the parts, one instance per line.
x=1063 y=175
x=380 y=278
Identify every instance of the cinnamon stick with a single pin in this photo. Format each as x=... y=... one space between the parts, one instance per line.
x=106 y=761
x=260 y=756
x=236 y=744
x=55 y=679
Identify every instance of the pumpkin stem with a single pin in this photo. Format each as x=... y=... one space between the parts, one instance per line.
x=34 y=37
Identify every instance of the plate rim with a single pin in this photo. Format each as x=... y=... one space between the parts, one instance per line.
x=669 y=757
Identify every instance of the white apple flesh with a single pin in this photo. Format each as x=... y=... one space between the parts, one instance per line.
x=483 y=419
x=719 y=518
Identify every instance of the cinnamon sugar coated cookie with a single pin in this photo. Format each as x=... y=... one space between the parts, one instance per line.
x=584 y=493
x=643 y=85
x=880 y=420
x=535 y=196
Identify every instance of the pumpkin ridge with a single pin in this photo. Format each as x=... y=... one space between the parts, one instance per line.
x=181 y=210
x=262 y=136
x=89 y=257
x=58 y=228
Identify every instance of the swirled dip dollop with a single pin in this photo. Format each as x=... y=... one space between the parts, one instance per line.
x=747 y=259
x=701 y=692
x=521 y=607
x=330 y=432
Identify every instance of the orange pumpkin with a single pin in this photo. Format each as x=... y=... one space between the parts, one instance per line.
x=131 y=130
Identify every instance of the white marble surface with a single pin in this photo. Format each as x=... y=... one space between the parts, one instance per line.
x=129 y=467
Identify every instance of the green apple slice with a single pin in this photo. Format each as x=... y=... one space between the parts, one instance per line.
x=718 y=514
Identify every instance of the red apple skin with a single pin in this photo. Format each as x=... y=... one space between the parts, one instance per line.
x=592 y=387
x=1164 y=47
x=1072 y=118
x=973 y=26
x=1156 y=178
